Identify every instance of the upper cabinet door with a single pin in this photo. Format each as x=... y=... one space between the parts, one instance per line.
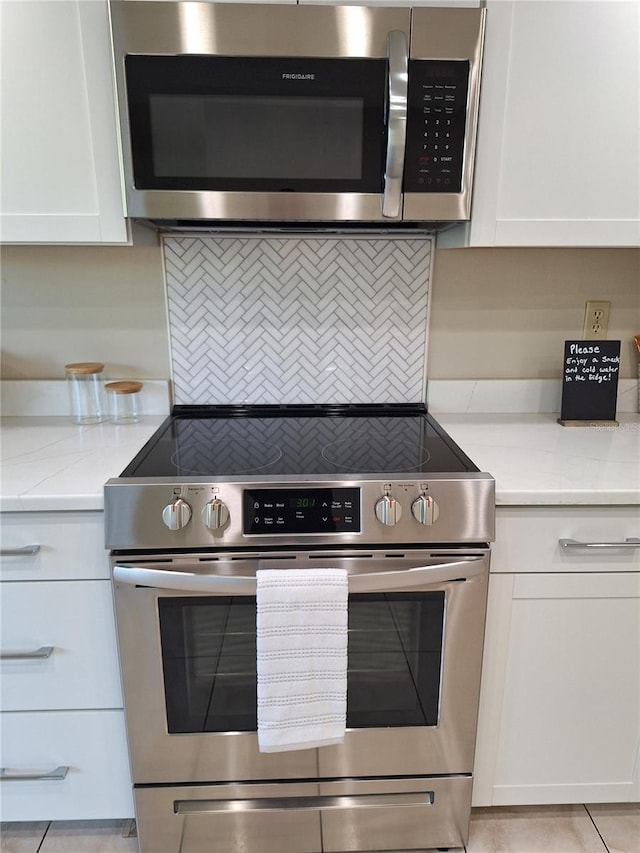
x=60 y=173
x=558 y=142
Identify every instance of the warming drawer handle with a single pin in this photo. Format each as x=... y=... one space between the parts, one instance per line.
x=415 y=578
x=42 y=653
x=25 y=551
x=629 y=542
x=285 y=804
x=397 y=124
x=56 y=775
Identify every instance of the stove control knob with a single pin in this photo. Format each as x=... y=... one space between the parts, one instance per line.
x=215 y=514
x=177 y=514
x=388 y=511
x=425 y=509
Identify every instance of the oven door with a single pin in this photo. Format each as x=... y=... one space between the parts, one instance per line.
x=273 y=113
x=186 y=629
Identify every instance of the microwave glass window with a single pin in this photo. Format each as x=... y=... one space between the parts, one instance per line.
x=226 y=136
x=257 y=124
x=209 y=661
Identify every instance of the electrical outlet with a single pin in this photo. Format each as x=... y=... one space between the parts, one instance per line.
x=596 y=321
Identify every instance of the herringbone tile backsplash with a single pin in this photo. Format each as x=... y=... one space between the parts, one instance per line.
x=297 y=320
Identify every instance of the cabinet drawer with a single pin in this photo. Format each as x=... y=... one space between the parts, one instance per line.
x=71 y=546
x=76 y=620
x=527 y=539
x=91 y=744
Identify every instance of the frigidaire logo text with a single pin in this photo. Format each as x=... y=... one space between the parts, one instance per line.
x=298 y=76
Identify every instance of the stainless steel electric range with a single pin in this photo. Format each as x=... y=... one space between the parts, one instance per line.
x=219 y=493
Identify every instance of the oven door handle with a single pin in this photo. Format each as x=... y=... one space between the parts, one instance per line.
x=419 y=577
x=399 y=579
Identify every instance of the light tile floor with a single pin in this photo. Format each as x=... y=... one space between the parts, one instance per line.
x=556 y=829
x=520 y=829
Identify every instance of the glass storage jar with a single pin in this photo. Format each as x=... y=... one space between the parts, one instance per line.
x=124 y=402
x=86 y=397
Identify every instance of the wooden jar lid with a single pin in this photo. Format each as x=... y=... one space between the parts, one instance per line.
x=130 y=387
x=84 y=367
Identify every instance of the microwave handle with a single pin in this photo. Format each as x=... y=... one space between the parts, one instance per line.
x=397 y=53
x=186 y=581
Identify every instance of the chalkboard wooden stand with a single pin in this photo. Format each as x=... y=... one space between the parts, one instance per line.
x=590 y=383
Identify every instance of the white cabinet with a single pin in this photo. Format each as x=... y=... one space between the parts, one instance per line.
x=86 y=748
x=559 y=133
x=61 y=696
x=74 y=620
x=61 y=179
x=70 y=545
x=560 y=703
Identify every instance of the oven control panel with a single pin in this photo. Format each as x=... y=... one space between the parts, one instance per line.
x=269 y=511
x=202 y=514
x=310 y=510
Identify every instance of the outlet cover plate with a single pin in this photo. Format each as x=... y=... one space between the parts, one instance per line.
x=596 y=321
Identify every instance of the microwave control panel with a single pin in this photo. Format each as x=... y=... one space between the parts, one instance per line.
x=436 y=120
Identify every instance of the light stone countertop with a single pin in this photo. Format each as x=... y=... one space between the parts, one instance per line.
x=536 y=461
x=49 y=463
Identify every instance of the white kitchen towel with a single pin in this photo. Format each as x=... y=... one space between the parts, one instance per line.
x=301 y=644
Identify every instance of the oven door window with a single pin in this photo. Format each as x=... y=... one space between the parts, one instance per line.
x=209 y=661
x=257 y=124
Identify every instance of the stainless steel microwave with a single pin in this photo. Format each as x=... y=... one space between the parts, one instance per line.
x=296 y=114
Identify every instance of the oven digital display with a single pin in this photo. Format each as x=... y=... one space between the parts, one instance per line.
x=268 y=511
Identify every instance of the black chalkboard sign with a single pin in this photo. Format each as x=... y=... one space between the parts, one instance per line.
x=589 y=382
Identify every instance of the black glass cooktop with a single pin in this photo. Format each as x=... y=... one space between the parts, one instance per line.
x=258 y=441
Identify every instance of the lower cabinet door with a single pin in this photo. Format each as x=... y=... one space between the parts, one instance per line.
x=64 y=765
x=567 y=728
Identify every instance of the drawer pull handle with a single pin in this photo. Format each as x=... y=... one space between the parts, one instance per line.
x=310 y=803
x=56 y=775
x=25 y=551
x=630 y=542
x=42 y=653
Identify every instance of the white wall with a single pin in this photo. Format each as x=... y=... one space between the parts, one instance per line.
x=62 y=304
x=505 y=313
x=495 y=313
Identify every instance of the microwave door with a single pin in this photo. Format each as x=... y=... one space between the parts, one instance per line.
x=397 y=51
x=268 y=138
x=252 y=114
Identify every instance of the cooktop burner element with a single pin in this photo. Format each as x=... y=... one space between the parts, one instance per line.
x=199 y=453
x=278 y=441
x=354 y=454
